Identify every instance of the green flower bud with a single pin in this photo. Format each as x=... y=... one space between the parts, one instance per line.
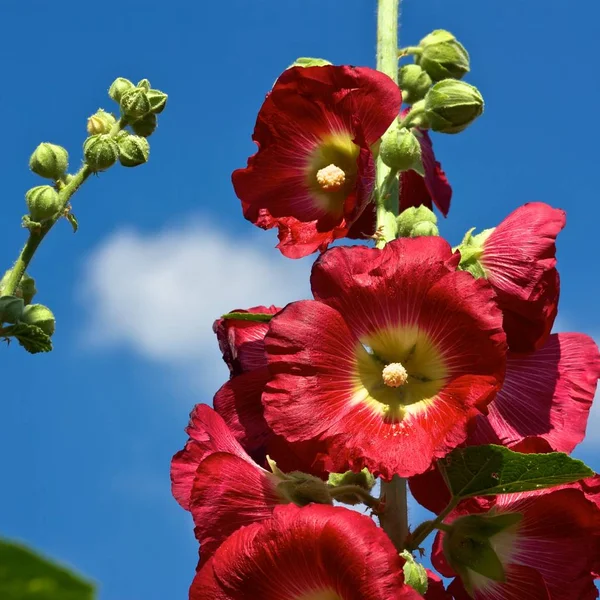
x=25 y=290
x=41 y=316
x=302 y=489
x=11 y=309
x=143 y=84
x=305 y=61
x=100 y=122
x=442 y=56
x=100 y=152
x=363 y=479
x=414 y=83
x=158 y=100
x=451 y=106
x=49 y=161
x=118 y=87
x=401 y=150
x=135 y=104
x=417 y=221
x=145 y=126
x=43 y=202
x=133 y=151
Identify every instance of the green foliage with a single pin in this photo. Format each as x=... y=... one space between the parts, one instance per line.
x=31 y=337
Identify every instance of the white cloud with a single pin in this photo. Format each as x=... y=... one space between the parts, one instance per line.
x=159 y=293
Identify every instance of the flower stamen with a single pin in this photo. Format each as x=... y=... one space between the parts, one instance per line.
x=331 y=178
x=394 y=375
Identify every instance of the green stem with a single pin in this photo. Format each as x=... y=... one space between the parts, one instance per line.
x=37 y=235
x=421 y=533
x=355 y=490
x=394 y=516
x=387 y=62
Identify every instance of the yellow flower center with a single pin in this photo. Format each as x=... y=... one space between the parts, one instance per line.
x=394 y=375
x=331 y=178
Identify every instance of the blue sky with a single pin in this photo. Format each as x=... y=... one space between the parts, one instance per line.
x=87 y=431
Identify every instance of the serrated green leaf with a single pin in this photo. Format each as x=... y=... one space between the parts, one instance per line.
x=256 y=317
x=491 y=470
x=415 y=574
x=31 y=337
x=73 y=220
x=25 y=575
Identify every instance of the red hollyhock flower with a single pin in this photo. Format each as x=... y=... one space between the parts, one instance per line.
x=550 y=554
x=388 y=361
x=313 y=174
x=518 y=258
x=312 y=553
x=431 y=189
x=547 y=394
x=239 y=401
x=435 y=588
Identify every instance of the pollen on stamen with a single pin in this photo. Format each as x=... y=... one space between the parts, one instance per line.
x=394 y=375
x=331 y=178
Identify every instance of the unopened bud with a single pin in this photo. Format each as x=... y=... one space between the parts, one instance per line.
x=100 y=122
x=414 y=83
x=401 y=150
x=49 y=161
x=133 y=151
x=417 y=221
x=443 y=56
x=25 y=290
x=100 y=152
x=135 y=104
x=143 y=84
x=451 y=106
x=145 y=126
x=43 y=202
x=363 y=479
x=158 y=100
x=305 y=61
x=40 y=316
x=11 y=309
x=302 y=489
x=118 y=87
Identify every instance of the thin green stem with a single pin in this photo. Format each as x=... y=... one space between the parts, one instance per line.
x=394 y=516
x=421 y=532
x=66 y=191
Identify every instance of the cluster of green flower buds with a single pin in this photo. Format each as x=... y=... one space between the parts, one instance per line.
x=442 y=56
x=109 y=141
x=417 y=221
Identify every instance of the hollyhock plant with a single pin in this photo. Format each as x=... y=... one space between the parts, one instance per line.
x=518 y=259
x=314 y=172
x=542 y=546
x=392 y=356
x=312 y=553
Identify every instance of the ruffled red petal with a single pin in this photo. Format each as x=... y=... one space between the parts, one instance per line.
x=435 y=588
x=548 y=393
x=242 y=342
x=303 y=551
x=208 y=434
x=229 y=493
x=519 y=260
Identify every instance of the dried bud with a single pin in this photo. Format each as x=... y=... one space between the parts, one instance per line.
x=100 y=152
x=442 y=56
x=305 y=61
x=145 y=126
x=414 y=83
x=133 y=151
x=401 y=150
x=158 y=100
x=143 y=84
x=43 y=202
x=49 y=161
x=119 y=87
x=11 y=309
x=451 y=106
x=417 y=221
x=135 y=104
x=100 y=122
x=41 y=316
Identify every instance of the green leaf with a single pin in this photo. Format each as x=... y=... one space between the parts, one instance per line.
x=73 y=220
x=415 y=574
x=25 y=575
x=491 y=470
x=31 y=337
x=256 y=317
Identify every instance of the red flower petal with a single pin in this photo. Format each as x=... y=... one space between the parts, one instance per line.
x=305 y=551
x=435 y=588
x=405 y=296
x=229 y=493
x=548 y=393
x=519 y=260
x=208 y=434
x=242 y=342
